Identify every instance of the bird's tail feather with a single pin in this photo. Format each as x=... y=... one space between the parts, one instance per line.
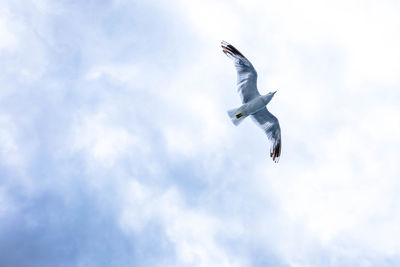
x=236 y=116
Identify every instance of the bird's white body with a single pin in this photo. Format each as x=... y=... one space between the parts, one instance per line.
x=252 y=106
x=256 y=104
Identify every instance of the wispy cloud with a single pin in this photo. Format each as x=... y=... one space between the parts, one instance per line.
x=115 y=149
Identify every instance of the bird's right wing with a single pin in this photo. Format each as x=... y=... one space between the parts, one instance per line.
x=269 y=123
x=247 y=75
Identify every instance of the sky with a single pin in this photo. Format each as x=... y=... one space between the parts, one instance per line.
x=116 y=149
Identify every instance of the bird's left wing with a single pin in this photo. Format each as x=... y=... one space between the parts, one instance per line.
x=246 y=74
x=269 y=123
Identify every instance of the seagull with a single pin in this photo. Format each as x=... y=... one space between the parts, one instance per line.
x=254 y=104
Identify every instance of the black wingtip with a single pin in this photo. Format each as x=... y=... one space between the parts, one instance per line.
x=276 y=151
x=228 y=48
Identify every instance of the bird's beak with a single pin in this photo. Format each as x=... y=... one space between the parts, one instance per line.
x=275 y=92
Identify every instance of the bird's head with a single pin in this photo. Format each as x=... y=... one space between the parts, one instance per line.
x=268 y=97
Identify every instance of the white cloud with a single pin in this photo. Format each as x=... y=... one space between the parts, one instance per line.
x=211 y=18
x=102 y=142
x=192 y=231
x=123 y=73
x=8 y=40
x=151 y=126
x=6 y=204
x=10 y=151
x=21 y=46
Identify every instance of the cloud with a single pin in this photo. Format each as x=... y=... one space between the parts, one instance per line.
x=192 y=232
x=116 y=149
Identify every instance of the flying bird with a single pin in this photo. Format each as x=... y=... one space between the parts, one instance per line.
x=253 y=103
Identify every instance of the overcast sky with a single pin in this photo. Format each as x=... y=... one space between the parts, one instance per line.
x=116 y=150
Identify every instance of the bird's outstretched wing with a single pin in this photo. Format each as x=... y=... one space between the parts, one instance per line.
x=247 y=75
x=269 y=123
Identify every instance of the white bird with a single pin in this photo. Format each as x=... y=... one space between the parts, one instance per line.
x=254 y=104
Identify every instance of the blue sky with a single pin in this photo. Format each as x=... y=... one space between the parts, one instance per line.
x=116 y=150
